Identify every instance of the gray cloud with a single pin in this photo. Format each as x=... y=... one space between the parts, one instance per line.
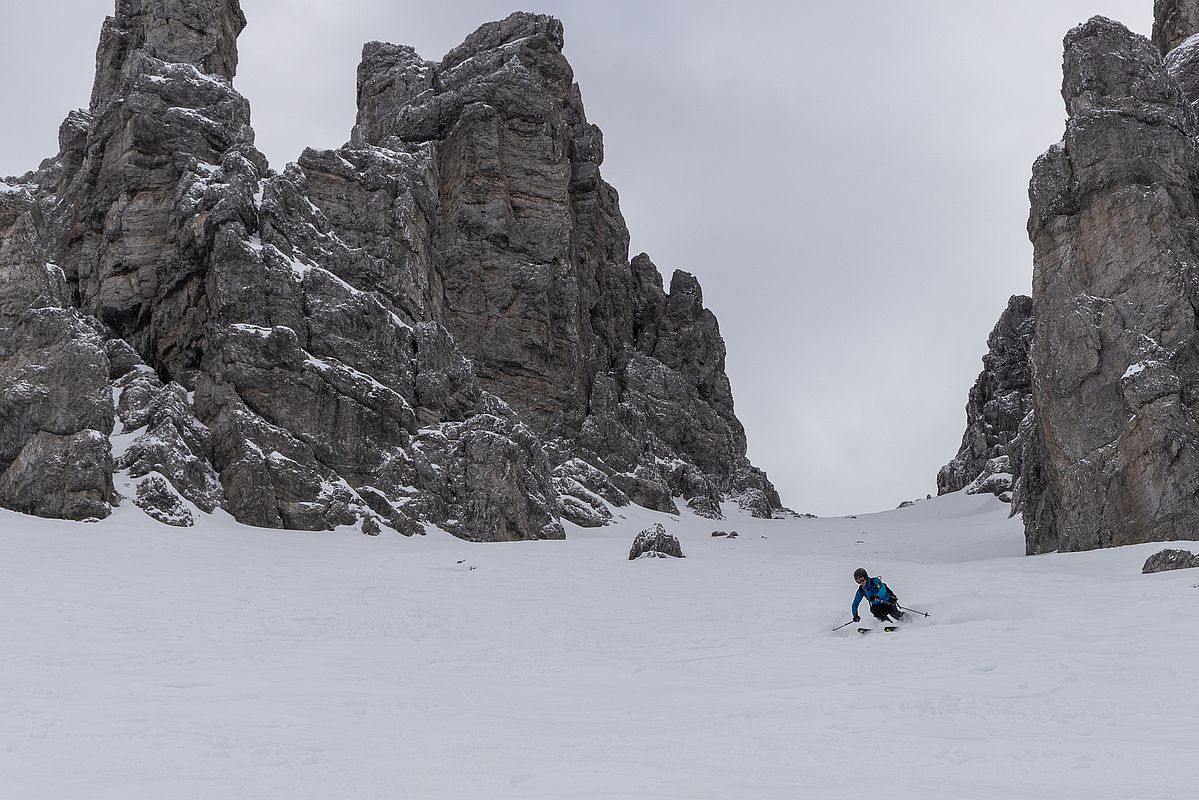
x=851 y=192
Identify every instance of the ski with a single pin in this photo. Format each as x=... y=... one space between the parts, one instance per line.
x=886 y=628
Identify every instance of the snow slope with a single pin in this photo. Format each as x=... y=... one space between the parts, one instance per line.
x=139 y=661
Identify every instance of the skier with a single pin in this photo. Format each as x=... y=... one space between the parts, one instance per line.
x=884 y=605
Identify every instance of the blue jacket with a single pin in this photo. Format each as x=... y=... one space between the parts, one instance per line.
x=875 y=592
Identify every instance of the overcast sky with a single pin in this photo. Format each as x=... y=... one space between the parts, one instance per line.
x=850 y=187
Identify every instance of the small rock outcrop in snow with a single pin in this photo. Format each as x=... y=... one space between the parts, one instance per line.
x=158 y=499
x=656 y=542
x=1165 y=560
x=705 y=507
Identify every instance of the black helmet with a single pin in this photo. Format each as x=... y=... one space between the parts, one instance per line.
x=859 y=573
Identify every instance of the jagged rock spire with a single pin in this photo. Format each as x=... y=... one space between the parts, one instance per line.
x=515 y=64
x=589 y=349
x=202 y=33
x=1174 y=21
x=1116 y=354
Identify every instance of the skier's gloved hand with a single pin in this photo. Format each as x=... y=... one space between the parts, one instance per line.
x=856 y=618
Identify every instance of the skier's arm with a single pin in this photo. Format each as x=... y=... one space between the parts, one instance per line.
x=857 y=600
x=886 y=595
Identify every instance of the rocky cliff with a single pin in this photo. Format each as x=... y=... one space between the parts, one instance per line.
x=436 y=323
x=1174 y=21
x=1110 y=454
x=1115 y=360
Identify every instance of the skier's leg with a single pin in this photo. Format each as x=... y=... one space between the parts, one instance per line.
x=885 y=612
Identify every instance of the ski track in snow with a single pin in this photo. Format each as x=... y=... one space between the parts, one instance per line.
x=141 y=661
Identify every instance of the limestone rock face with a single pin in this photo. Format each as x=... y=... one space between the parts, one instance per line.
x=56 y=408
x=1174 y=21
x=500 y=121
x=437 y=323
x=999 y=400
x=1115 y=359
x=1183 y=65
x=166 y=165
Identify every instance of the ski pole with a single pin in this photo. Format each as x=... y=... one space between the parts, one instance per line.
x=914 y=611
x=839 y=627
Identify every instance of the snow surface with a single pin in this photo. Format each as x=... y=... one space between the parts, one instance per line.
x=141 y=661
